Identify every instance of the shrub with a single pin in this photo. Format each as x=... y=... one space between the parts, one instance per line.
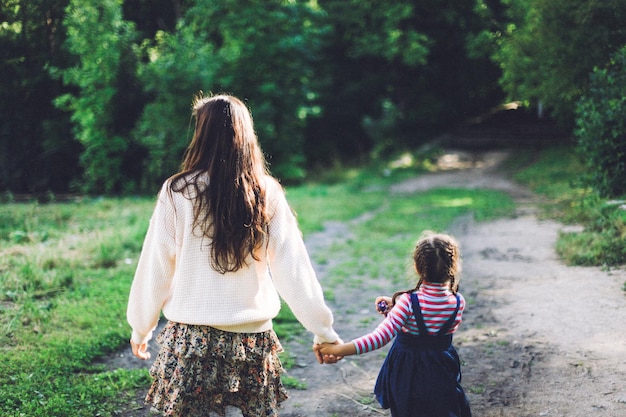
x=601 y=128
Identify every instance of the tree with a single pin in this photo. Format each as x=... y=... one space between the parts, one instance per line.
x=263 y=53
x=153 y=16
x=269 y=50
x=550 y=47
x=37 y=151
x=398 y=72
x=103 y=110
x=180 y=65
x=326 y=80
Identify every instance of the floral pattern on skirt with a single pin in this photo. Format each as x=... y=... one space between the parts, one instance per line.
x=200 y=369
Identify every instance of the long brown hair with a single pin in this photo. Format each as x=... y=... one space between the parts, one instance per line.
x=436 y=259
x=229 y=209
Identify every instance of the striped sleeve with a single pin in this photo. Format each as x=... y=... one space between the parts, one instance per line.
x=387 y=330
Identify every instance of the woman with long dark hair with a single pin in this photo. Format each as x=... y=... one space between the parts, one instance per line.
x=222 y=247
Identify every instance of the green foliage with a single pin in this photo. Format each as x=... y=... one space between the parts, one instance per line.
x=396 y=73
x=286 y=325
x=555 y=173
x=265 y=61
x=327 y=82
x=386 y=32
x=37 y=152
x=603 y=246
x=550 y=47
x=294 y=383
x=601 y=128
x=101 y=41
x=270 y=62
x=164 y=127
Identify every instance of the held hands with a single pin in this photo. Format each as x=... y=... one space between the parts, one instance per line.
x=334 y=352
x=140 y=351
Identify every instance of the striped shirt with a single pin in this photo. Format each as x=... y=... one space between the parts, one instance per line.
x=437 y=303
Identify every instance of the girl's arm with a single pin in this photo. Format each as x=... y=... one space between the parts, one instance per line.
x=341 y=349
x=395 y=319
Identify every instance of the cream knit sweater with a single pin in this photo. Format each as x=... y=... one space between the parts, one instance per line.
x=174 y=275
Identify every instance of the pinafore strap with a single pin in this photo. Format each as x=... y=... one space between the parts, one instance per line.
x=419 y=318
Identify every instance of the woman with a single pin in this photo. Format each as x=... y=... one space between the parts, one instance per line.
x=221 y=247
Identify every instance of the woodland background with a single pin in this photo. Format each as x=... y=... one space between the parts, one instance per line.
x=96 y=94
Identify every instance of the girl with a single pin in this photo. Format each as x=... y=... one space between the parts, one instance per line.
x=421 y=375
x=221 y=247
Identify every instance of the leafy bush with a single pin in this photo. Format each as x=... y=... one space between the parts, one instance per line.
x=601 y=128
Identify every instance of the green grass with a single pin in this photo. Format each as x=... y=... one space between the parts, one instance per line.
x=382 y=245
x=294 y=383
x=555 y=175
x=65 y=272
x=66 y=269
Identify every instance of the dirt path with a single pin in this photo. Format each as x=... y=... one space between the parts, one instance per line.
x=538 y=338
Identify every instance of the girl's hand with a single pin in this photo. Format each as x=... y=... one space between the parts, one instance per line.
x=337 y=350
x=328 y=349
x=383 y=305
x=140 y=351
x=326 y=358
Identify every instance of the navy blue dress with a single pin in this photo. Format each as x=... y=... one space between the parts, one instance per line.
x=421 y=376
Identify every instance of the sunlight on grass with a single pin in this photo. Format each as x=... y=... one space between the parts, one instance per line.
x=383 y=244
x=457 y=202
x=556 y=176
x=316 y=204
x=63 y=289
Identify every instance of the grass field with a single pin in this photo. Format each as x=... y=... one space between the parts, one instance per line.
x=66 y=269
x=555 y=174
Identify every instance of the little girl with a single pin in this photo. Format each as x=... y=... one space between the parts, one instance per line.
x=422 y=373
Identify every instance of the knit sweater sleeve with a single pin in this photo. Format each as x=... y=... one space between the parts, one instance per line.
x=292 y=272
x=153 y=276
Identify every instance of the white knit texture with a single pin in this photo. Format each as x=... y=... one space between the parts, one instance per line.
x=174 y=275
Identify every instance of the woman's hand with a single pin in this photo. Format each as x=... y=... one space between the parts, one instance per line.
x=140 y=351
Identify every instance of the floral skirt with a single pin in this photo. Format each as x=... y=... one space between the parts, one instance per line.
x=200 y=369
